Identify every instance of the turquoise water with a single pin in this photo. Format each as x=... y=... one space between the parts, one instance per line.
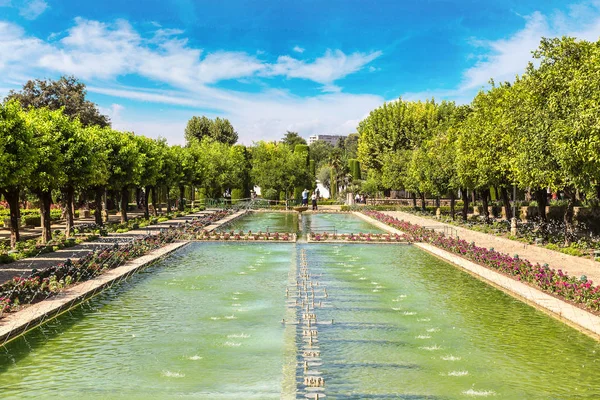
x=259 y=221
x=342 y=223
x=203 y=324
x=206 y=323
x=412 y=326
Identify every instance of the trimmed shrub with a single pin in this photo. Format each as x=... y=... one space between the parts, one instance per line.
x=236 y=194
x=32 y=220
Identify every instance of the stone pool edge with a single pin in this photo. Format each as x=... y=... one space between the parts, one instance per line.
x=20 y=322
x=16 y=324
x=567 y=313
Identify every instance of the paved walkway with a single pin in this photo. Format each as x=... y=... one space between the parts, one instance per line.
x=32 y=233
x=575 y=266
x=24 y=266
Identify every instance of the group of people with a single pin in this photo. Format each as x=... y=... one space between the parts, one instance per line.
x=314 y=196
x=360 y=199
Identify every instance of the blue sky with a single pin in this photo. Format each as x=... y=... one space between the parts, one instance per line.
x=270 y=66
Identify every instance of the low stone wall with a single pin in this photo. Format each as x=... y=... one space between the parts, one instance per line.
x=35 y=315
x=225 y=221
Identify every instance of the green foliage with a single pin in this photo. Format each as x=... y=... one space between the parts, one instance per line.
x=324 y=176
x=16 y=141
x=67 y=94
x=219 y=129
x=31 y=220
x=333 y=190
x=236 y=194
x=292 y=139
x=270 y=194
x=275 y=166
x=398 y=125
x=320 y=151
x=298 y=193
x=354 y=167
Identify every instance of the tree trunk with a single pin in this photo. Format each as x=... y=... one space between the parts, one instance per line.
x=484 y=200
x=568 y=217
x=181 y=196
x=423 y=205
x=138 y=197
x=154 y=200
x=414 y=199
x=45 y=202
x=12 y=197
x=506 y=203
x=98 y=192
x=105 y=205
x=159 y=197
x=168 y=200
x=465 y=197
x=192 y=196
x=452 y=204
x=69 y=194
x=542 y=200
x=146 y=202
x=124 y=203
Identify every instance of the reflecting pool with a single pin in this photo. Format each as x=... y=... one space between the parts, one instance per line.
x=340 y=222
x=207 y=323
x=264 y=221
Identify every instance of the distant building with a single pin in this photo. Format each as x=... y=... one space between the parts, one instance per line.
x=331 y=139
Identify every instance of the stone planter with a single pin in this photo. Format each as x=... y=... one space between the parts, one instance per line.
x=528 y=213
x=477 y=210
x=84 y=214
x=496 y=211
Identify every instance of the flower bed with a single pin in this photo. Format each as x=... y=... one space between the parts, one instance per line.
x=360 y=237
x=244 y=236
x=40 y=285
x=580 y=291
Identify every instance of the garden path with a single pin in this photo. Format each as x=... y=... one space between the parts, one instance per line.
x=24 y=266
x=31 y=233
x=574 y=266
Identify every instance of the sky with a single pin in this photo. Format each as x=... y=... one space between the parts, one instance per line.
x=309 y=66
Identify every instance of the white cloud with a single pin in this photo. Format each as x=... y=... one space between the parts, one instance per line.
x=16 y=48
x=100 y=52
x=33 y=9
x=262 y=116
x=332 y=66
x=298 y=49
x=113 y=112
x=228 y=65
x=93 y=49
x=505 y=58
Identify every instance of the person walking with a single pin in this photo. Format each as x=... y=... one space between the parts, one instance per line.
x=314 y=201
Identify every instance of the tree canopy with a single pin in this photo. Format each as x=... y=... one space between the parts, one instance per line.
x=292 y=139
x=219 y=129
x=67 y=93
